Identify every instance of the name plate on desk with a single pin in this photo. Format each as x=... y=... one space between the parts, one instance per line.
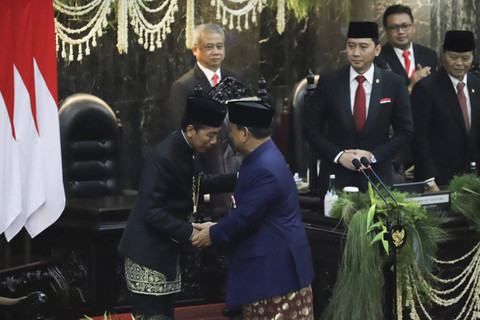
x=437 y=200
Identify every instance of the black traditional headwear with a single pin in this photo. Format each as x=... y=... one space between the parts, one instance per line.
x=231 y=89
x=250 y=114
x=459 y=41
x=205 y=110
x=363 y=29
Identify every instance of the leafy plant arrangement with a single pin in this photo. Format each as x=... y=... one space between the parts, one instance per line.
x=114 y=317
x=465 y=197
x=108 y=317
x=365 y=217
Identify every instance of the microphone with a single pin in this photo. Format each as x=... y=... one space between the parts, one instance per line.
x=359 y=168
x=398 y=231
x=367 y=165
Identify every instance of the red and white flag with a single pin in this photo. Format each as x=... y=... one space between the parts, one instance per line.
x=46 y=93
x=35 y=115
x=10 y=199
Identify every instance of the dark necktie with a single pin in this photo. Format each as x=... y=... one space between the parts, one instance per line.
x=359 y=106
x=215 y=79
x=463 y=104
x=406 y=55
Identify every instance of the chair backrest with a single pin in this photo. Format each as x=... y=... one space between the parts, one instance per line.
x=90 y=147
x=301 y=149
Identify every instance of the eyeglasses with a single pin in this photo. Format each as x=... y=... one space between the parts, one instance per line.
x=396 y=27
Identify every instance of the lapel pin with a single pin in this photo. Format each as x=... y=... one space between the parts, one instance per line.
x=473 y=90
x=377 y=80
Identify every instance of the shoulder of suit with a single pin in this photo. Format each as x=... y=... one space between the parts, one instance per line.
x=335 y=73
x=172 y=143
x=388 y=75
x=188 y=76
x=421 y=48
x=429 y=83
x=474 y=80
x=386 y=46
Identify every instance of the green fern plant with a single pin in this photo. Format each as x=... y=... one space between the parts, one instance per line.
x=365 y=218
x=465 y=197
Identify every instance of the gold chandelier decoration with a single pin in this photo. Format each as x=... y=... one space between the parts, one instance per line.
x=84 y=36
x=150 y=20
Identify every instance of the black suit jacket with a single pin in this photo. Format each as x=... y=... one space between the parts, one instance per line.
x=330 y=126
x=424 y=56
x=220 y=159
x=158 y=223
x=441 y=146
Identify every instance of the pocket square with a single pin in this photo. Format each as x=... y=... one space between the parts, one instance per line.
x=385 y=100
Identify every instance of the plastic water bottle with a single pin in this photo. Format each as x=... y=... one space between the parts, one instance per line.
x=473 y=168
x=298 y=180
x=330 y=197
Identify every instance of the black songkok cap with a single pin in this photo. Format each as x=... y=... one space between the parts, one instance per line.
x=363 y=29
x=250 y=114
x=459 y=41
x=205 y=111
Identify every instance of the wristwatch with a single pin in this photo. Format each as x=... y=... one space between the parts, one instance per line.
x=429 y=183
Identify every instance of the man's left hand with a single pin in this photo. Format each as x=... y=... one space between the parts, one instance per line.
x=201 y=238
x=359 y=153
x=419 y=74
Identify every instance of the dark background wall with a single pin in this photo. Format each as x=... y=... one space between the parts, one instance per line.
x=137 y=84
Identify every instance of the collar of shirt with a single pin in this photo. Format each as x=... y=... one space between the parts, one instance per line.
x=399 y=53
x=209 y=73
x=455 y=82
x=368 y=75
x=183 y=134
x=367 y=85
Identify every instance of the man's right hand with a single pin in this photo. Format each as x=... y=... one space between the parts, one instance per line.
x=346 y=159
x=433 y=188
x=201 y=235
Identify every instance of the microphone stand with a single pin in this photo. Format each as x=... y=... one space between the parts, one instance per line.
x=398 y=230
x=367 y=165
x=359 y=168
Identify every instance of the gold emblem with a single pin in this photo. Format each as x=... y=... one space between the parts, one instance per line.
x=473 y=90
x=377 y=80
x=398 y=236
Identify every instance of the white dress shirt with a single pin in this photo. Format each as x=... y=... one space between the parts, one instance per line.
x=209 y=73
x=367 y=85
x=399 y=53
x=465 y=91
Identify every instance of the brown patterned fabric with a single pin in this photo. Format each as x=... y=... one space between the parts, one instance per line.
x=296 y=305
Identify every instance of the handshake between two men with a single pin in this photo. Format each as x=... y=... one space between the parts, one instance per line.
x=201 y=234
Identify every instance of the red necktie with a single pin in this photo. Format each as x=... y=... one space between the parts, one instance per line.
x=215 y=79
x=463 y=104
x=406 y=55
x=359 y=106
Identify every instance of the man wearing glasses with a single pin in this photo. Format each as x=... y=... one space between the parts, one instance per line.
x=411 y=61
